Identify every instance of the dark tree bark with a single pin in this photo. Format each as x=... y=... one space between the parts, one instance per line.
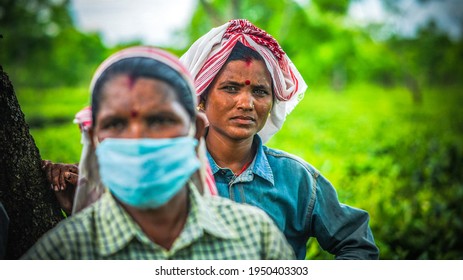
x=28 y=200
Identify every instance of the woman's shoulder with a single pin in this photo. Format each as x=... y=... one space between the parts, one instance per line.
x=225 y=205
x=70 y=235
x=251 y=227
x=82 y=223
x=232 y=211
x=79 y=223
x=279 y=158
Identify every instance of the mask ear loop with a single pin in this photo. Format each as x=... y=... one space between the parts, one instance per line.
x=192 y=130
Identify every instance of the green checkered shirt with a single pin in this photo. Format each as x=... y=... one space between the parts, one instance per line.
x=216 y=228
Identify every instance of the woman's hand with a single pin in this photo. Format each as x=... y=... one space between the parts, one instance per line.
x=63 y=180
x=59 y=175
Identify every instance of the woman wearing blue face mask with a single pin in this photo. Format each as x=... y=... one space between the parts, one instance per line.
x=144 y=136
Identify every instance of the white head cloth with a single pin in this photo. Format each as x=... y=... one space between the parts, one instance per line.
x=205 y=58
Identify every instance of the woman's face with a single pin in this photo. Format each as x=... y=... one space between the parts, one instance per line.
x=141 y=108
x=240 y=99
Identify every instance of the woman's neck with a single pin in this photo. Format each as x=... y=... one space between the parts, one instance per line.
x=163 y=225
x=229 y=153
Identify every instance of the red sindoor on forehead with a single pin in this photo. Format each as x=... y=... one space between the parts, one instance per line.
x=247 y=82
x=131 y=82
x=134 y=113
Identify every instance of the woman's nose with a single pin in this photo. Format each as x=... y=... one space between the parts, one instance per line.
x=245 y=101
x=136 y=131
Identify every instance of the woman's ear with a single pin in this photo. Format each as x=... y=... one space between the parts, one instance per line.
x=202 y=101
x=201 y=124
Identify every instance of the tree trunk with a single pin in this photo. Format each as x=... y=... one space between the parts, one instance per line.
x=28 y=199
x=412 y=85
x=213 y=14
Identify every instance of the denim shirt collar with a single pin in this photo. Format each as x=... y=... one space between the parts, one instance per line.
x=259 y=166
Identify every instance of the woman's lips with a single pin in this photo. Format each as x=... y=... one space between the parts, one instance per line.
x=246 y=120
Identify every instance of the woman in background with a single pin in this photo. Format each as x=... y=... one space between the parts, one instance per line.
x=247 y=86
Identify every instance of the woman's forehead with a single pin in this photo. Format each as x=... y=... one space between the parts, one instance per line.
x=245 y=69
x=141 y=91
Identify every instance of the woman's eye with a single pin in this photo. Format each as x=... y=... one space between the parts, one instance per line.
x=261 y=92
x=230 y=89
x=115 y=124
x=160 y=121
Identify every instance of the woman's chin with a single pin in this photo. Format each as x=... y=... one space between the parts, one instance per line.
x=242 y=133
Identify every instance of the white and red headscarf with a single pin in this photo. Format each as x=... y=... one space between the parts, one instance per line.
x=89 y=189
x=208 y=54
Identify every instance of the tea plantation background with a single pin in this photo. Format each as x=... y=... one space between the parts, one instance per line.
x=382 y=118
x=401 y=162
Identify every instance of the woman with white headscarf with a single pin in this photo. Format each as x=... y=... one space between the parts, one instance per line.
x=246 y=86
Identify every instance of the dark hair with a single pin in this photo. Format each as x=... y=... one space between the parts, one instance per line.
x=143 y=67
x=239 y=52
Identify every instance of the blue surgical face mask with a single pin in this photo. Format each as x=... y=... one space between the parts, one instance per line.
x=146 y=173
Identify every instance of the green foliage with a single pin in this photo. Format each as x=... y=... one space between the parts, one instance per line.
x=400 y=162
x=397 y=155
x=50 y=113
x=338 y=7
x=431 y=56
x=41 y=47
x=329 y=49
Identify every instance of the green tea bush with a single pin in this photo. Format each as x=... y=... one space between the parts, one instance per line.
x=401 y=162
x=50 y=114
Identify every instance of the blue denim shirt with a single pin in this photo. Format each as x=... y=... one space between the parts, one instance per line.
x=302 y=203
